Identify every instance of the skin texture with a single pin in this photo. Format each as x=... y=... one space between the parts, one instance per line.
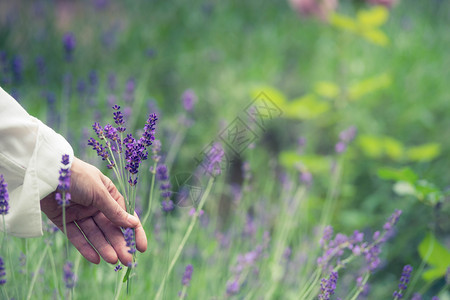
x=98 y=209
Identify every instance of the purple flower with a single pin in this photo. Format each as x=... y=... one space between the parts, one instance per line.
x=64 y=182
x=416 y=296
x=187 y=276
x=4 y=196
x=393 y=219
x=212 y=160
x=129 y=90
x=70 y=278
x=2 y=272
x=118 y=268
x=189 y=98
x=327 y=234
x=162 y=173
x=233 y=287
x=348 y=134
x=118 y=118
x=17 y=68
x=345 y=137
x=69 y=43
x=340 y=147
x=128 y=235
x=149 y=131
x=328 y=286
x=306 y=177
x=404 y=280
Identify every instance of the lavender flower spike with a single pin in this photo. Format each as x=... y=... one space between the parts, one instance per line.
x=2 y=272
x=189 y=98
x=128 y=234
x=64 y=182
x=328 y=286
x=69 y=43
x=70 y=278
x=4 y=196
x=213 y=158
x=404 y=280
x=187 y=276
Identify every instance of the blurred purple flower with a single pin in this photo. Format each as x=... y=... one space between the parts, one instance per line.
x=187 y=276
x=17 y=68
x=212 y=160
x=128 y=235
x=129 y=90
x=348 y=134
x=69 y=43
x=328 y=286
x=162 y=175
x=150 y=52
x=345 y=137
x=340 y=147
x=2 y=272
x=189 y=98
x=416 y=296
x=306 y=177
x=70 y=278
x=4 y=196
x=233 y=287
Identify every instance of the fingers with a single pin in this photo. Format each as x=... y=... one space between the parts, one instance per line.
x=77 y=239
x=97 y=239
x=141 y=238
x=110 y=207
x=115 y=237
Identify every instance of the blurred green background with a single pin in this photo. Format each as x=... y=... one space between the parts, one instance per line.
x=325 y=77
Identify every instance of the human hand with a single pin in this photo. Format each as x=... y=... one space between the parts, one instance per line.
x=97 y=207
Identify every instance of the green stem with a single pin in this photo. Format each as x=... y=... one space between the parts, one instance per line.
x=36 y=271
x=55 y=276
x=175 y=146
x=186 y=237
x=64 y=225
x=361 y=288
x=150 y=201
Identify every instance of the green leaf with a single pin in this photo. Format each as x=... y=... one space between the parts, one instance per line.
x=394 y=149
x=326 y=89
x=434 y=273
x=313 y=163
x=343 y=22
x=428 y=192
x=436 y=255
x=404 y=174
x=305 y=108
x=272 y=93
x=376 y=36
x=127 y=274
x=369 y=85
x=424 y=152
x=374 y=17
x=371 y=145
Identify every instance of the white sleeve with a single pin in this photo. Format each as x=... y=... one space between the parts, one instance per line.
x=30 y=160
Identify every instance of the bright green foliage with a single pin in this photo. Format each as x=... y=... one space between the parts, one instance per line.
x=436 y=256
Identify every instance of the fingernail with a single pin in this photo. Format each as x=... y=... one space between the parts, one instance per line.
x=133 y=219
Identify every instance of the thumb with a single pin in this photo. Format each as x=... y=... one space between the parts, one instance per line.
x=111 y=204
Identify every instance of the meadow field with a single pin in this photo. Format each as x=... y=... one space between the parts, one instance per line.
x=302 y=149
